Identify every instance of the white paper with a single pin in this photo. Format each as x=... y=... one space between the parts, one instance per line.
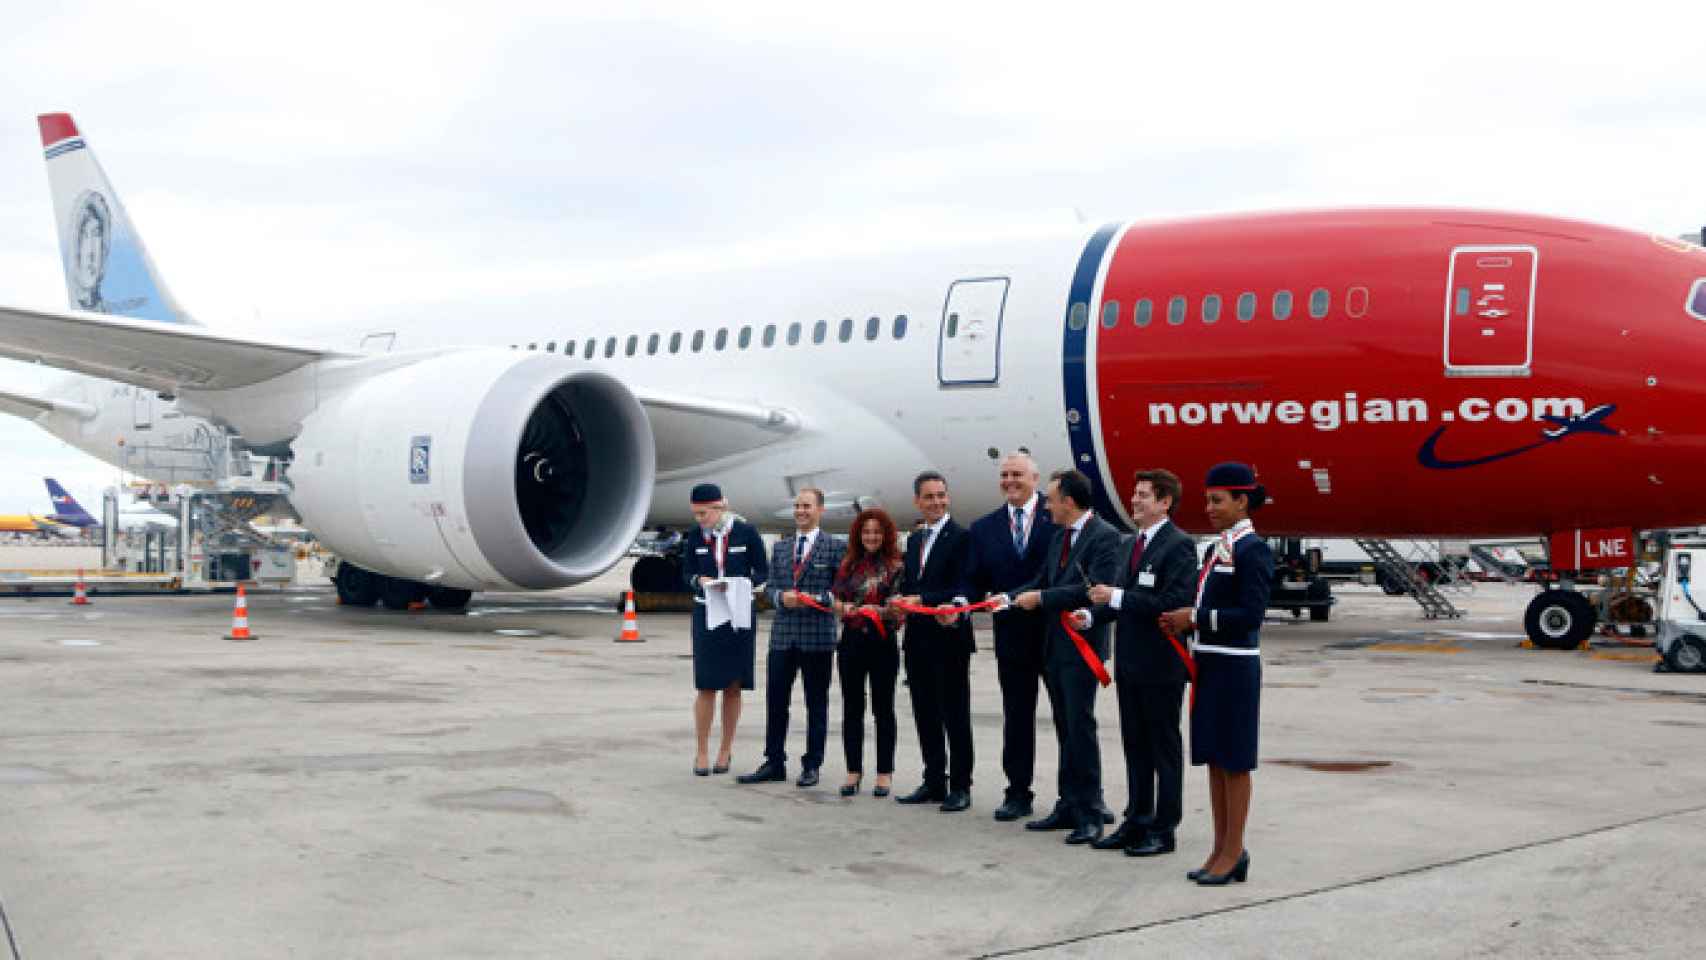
x=732 y=604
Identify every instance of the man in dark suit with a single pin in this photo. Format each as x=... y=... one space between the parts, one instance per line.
x=1085 y=550
x=1008 y=546
x=1158 y=573
x=802 y=639
x=938 y=649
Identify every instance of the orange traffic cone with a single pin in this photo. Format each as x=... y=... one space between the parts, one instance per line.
x=81 y=597
x=630 y=623
x=240 y=617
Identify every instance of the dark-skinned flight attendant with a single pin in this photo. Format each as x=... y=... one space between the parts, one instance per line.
x=1232 y=598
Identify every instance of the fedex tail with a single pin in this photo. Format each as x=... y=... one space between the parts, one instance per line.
x=107 y=269
x=66 y=509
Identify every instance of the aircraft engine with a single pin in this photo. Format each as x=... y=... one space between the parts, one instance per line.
x=486 y=470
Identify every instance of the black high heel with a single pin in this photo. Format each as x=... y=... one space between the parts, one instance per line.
x=879 y=791
x=724 y=766
x=1240 y=872
x=852 y=789
x=701 y=771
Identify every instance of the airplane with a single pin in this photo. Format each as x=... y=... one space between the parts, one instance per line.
x=1337 y=351
x=69 y=512
x=30 y=523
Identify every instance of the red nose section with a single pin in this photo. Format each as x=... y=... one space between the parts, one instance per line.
x=56 y=127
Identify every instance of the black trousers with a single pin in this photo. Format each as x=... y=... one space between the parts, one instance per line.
x=1072 y=695
x=815 y=666
x=862 y=656
x=938 y=674
x=1154 y=751
x=1019 y=668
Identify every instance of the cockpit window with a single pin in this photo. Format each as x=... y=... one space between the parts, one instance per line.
x=1697 y=299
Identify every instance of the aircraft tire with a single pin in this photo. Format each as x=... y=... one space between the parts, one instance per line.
x=656 y=575
x=1558 y=619
x=449 y=598
x=1687 y=655
x=1320 y=614
x=398 y=594
x=356 y=587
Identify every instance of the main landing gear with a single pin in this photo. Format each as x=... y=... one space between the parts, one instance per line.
x=364 y=588
x=1559 y=619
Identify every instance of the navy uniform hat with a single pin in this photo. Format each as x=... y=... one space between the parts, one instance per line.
x=1237 y=478
x=707 y=493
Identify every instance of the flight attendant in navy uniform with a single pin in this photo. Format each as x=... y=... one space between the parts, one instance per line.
x=723 y=659
x=1232 y=598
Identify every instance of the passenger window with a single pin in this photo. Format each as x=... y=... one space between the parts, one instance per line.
x=1697 y=300
x=1142 y=312
x=900 y=326
x=1319 y=301
x=551 y=347
x=1246 y=307
x=953 y=325
x=1211 y=308
x=793 y=334
x=1282 y=305
x=722 y=337
x=568 y=348
x=846 y=329
x=1462 y=305
x=873 y=327
x=820 y=330
x=1176 y=311
x=1077 y=318
x=675 y=342
x=698 y=340
x=1110 y=314
x=770 y=334
x=652 y=345
x=533 y=346
x=1356 y=302
x=633 y=344
x=591 y=348
x=610 y=347
x=745 y=337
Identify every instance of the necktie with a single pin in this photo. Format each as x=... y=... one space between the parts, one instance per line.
x=1137 y=552
x=799 y=556
x=1019 y=530
x=1065 y=547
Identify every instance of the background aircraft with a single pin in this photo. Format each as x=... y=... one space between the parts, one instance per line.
x=1387 y=371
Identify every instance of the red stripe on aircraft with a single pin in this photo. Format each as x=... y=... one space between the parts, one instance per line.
x=56 y=127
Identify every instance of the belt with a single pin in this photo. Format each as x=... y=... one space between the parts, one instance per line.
x=1229 y=651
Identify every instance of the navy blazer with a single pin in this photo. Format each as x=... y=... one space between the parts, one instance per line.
x=942 y=580
x=1143 y=653
x=744 y=557
x=1094 y=554
x=1235 y=595
x=996 y=567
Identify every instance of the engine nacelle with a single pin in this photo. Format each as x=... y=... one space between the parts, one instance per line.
x=484 y=470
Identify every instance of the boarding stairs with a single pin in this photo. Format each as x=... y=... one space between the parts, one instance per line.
x=1393 y=566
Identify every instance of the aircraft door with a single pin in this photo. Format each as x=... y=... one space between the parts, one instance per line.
x=969 y=343
x=1489 y=311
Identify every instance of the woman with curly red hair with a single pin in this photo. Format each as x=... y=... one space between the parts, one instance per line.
x=869 y=575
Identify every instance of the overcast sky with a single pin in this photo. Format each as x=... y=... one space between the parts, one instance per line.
x=337 y=167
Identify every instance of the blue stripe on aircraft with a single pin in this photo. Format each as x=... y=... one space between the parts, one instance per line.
x=1075 y=377
x=64 y=147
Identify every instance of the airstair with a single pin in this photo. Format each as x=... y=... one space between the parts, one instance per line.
x=1393 y=567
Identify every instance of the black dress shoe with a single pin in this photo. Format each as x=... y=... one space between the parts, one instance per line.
x=1152 y=845
x=1013 y=810
x=1086 y=832
x=767 y=773
x=1128 y=834
x=1107 y=815
x=1056 y=820
x=924 y=794
x=808 y=778
x=956 y=801
x=1240 y=872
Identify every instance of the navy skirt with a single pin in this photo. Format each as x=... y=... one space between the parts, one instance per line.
x=1228 y=708
x=722 y=656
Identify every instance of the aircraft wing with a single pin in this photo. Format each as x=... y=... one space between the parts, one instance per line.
x=158 y=356
x=31 y=407
x=690 y=431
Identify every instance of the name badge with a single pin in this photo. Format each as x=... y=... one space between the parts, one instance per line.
x=1223 y=568
x=737 y=549
x=1146 y=578
x=702 y=550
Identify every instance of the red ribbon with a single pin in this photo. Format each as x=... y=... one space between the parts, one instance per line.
x=1190 y=662
x=945 y=611
x=871 y=615
x=1090 y=659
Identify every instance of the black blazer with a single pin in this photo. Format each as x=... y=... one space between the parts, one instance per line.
x=1142 y=652
x=1094 y=553
x=998 y=568
x=941 y=581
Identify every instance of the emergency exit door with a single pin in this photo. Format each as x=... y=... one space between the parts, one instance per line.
x=968 y=348
x=1489 y=311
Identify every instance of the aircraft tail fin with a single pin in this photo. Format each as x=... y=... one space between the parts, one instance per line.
x=107 y=269
x=65 y=506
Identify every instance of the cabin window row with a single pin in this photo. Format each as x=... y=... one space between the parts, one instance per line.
x=1211 y=308
x=873 y=328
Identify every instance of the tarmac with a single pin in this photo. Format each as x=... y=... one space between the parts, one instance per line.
x=512 y=783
